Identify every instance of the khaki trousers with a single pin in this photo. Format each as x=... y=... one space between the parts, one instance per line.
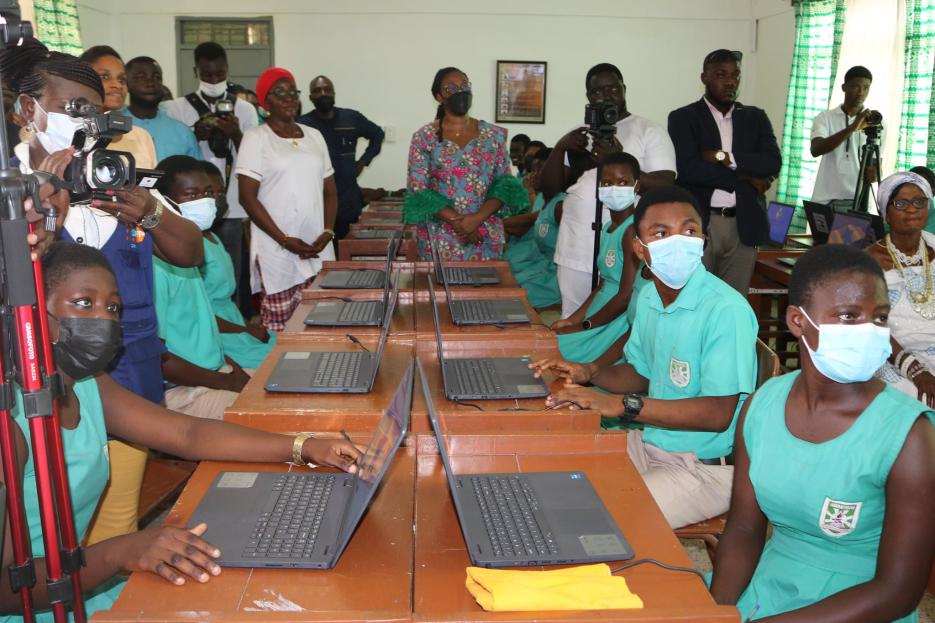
x=726 y=257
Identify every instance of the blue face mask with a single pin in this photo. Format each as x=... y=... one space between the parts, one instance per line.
x=200 y=211
x=674 y=258
x=849 y=353
x=617 y=198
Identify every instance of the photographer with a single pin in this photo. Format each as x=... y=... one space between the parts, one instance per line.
x=572 y=166
x=838 y=136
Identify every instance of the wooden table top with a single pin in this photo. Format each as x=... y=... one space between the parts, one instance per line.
x=402 y=326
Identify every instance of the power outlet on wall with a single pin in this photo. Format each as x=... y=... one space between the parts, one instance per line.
x=389 y=132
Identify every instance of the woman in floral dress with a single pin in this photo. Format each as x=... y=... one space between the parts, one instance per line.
x=459 y=178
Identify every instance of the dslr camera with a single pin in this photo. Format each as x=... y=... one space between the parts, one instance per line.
x=218 y=141
x=95 y=168
x=601 y=118
x=874 y=125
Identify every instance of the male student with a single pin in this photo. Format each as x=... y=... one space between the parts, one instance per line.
x=691 y=362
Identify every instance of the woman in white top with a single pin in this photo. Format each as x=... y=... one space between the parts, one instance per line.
x=286 y=185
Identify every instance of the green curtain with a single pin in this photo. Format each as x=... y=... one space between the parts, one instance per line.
x=57 y=25
x=819 y=27
x=916 y=146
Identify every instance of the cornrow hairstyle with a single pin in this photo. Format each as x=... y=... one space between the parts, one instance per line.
x=64 y=258
x=437 y=90
x=174 y=166
x=26 y=67
x=819 y=264
x=99 y=51
x=209 y=51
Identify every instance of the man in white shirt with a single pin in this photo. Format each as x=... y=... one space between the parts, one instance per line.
x=219 y=135
x=572 y=168
x=837 y=138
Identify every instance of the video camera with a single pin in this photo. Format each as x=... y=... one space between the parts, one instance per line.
x=601 y=119
x=874 y=125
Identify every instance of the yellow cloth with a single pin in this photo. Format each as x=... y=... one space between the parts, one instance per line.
x=589 y=587
x=118 y=513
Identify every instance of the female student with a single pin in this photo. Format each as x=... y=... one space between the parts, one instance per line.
x=82 y=292
x=602 y=320
x=841 y=465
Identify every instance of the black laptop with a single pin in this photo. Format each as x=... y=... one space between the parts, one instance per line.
x=347 y=313
x=533 y=518
x=362 y=278
x=485 y=378
x=300 y=519
x=820 y=216
x=460 y=275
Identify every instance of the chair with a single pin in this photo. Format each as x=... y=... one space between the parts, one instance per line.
x=710 y=530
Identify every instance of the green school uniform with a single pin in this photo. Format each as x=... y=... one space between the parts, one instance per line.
x=88 y=473
x=530 y=255
x=826 y=501
x=930 y=223
x=703 y=344
x=186 y=319
x=218 y=274
x=585 y=346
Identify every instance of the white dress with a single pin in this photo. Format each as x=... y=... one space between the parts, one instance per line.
x=291 y=173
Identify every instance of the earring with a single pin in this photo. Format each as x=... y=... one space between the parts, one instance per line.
x=27 y=133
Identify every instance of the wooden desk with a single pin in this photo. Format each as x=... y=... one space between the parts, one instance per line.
x=439 y=592
x=769 y=297
x=385 y=205
x=290 y=413
x=402 y=327
x=372 y=580
x=315 y=291
x=351 y=247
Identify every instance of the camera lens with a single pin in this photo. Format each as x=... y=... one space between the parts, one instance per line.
x=875 y=117
x=611 y=114
x=107 y=170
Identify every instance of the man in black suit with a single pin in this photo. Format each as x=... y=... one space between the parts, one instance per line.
x=727 y=156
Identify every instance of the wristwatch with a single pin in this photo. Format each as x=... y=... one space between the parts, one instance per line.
x=151 y=221
x=632 y=405
x=586 y=324
x=720 y=155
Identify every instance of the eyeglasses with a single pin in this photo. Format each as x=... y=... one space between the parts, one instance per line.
x=282 y=93
x=919 y=202
x=451 y=89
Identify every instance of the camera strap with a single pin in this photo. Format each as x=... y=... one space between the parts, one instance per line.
x=201 y=107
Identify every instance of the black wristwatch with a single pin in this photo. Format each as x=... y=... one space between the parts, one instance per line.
x=586 y=324
x=632 y=405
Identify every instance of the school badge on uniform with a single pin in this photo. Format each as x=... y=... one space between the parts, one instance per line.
x=680 y=372
x=611 y=258
x=839 y=518
x=543 y=230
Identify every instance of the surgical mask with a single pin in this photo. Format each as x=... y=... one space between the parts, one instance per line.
x=459 y=103
x=201 y=212
x=675 y=258
x=86 y=346
x=849 y=353
x=212 y=90
x=59 y=130
x=324 y=103
x=617 y=198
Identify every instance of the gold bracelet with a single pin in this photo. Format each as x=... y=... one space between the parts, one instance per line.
x=297 y=445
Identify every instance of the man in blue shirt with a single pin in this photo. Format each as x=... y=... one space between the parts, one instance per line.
x=171 y=137
x=341 y=127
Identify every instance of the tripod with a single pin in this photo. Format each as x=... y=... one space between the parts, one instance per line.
x=869 y=155
x=27 y=360
x=597 y=225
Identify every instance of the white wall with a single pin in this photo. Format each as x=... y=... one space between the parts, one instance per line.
x=382 y=55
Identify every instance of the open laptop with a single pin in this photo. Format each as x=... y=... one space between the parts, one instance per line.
x=302 y=519
x=332 y=372
x=780 y=220
x=532 y=518
x=485 y=378
x=460 y=275
x=364 y=277
x=853 y=228
x=344 y=313
x=820 y=217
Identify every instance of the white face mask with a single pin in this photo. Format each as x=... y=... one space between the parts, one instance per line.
x=59 y=130
x=213 y=90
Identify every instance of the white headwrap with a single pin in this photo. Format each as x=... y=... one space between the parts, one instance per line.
x=889 y=185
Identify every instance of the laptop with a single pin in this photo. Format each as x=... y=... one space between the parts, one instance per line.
x=780 y=220
x=460 y=275
x=853 y=228
x=532 y=518
x=485 y=379
x=345 y=313
x=375 y=234
x=302 y=519
x=364 y=277
x=820 y=217
x=332 y=372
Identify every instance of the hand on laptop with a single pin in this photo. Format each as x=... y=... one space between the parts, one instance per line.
x=338 y=453
x=172 y=553
x=577 y=373
x=608 y=405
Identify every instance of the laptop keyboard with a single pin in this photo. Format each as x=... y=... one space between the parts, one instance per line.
x=477 y=311
x=458 y=276
x=356 y=311
x=476 y=376
x=507 y=504
x=338 y=369
x=289 y=530
x=365 y=279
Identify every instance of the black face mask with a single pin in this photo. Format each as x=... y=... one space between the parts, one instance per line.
x=86 y=346
x=459 y=103
x=324 y=104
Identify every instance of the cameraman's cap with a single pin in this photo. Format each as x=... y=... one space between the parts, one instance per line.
x=721 y=56
x=266 y=81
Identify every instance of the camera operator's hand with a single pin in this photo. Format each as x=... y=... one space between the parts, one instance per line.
x=129 y=206
x=40 y=239
x=860 y=121
x=576 y=140
x=203 y=127
x=601 y=148
x=229 y=124
x=56 y=163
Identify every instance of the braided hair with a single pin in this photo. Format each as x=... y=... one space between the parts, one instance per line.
x=437 y=90
x=26 y=67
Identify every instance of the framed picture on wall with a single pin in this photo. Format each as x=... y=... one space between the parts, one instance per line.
x=520 y=92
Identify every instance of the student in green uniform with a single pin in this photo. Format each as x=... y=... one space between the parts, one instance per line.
x=840 y=464
x=532 y=240
x=690 y=363
x=602 y=320
x=83 y=305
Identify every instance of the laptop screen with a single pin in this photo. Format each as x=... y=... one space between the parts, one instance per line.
x=820 y=217
x=438 y=324
x=439 y=436
x=849 y=229
x=780 y=219
x=392 y=248
x=376 y=459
